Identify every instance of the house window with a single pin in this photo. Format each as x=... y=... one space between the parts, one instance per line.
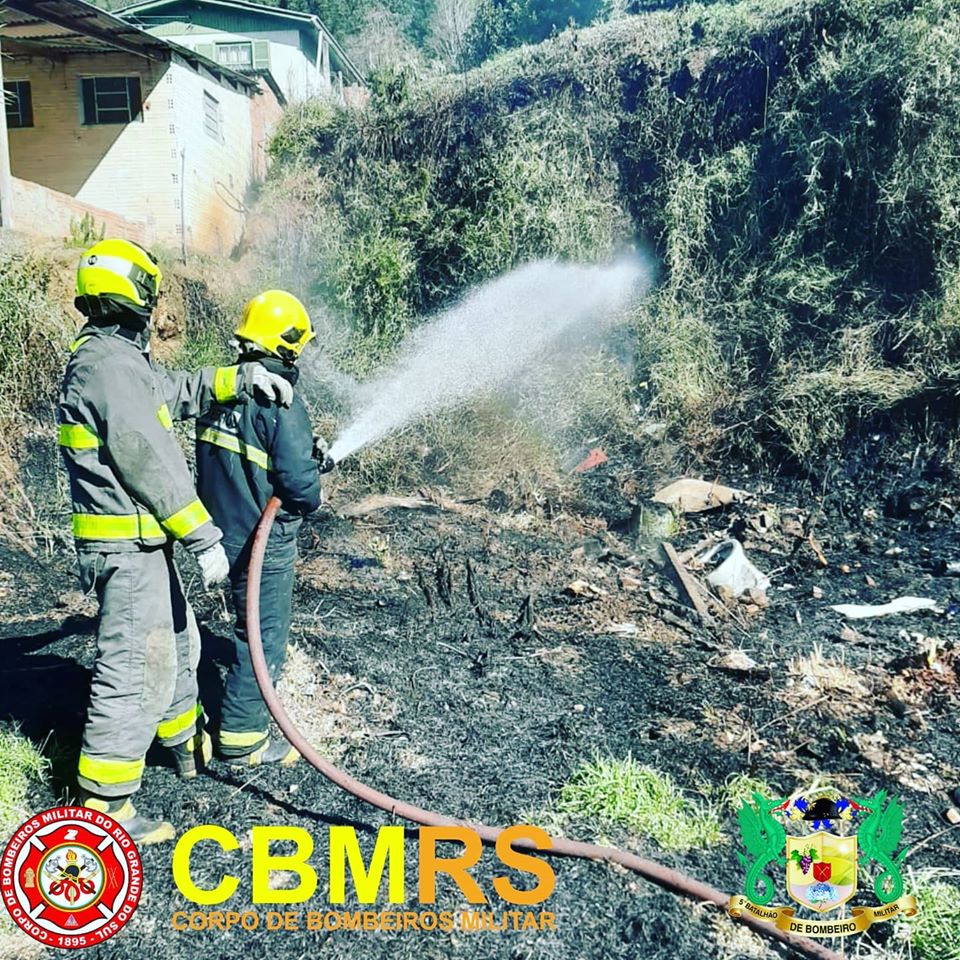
x=19 y=104
x=236 y=55
x=110 y=99
x=211 y=116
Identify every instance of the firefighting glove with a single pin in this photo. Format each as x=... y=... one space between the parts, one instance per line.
x=214 y=565
x=267 y=384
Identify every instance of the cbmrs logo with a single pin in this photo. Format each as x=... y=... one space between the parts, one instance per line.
x=386 y=862
x=71 y=877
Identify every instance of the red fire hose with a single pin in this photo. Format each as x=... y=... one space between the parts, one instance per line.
x=662 y=876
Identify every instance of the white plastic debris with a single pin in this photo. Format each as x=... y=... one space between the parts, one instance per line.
x=733 y=570
x=863 y=611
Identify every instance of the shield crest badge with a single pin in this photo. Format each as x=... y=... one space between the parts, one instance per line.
x=822 y=870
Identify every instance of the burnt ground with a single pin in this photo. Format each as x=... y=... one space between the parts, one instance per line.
x=480 y=701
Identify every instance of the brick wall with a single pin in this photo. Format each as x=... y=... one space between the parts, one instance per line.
x=121 y=167
x=39 y=209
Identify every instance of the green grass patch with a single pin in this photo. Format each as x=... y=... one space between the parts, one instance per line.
x=628 y=794
x=740 y=788
x=20 y=764
x=934 y=933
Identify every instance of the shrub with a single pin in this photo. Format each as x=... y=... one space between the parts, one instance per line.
x=34 y=334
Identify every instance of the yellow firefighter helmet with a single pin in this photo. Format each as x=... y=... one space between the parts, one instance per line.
x=278 y=323
x=115 y=275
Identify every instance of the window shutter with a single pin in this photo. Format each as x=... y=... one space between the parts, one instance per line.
x=206 y=50
x=88 y=101
x=26 y=103
x=133 y=93
x=261 y=54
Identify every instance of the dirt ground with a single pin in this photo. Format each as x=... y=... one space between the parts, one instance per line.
x=478 y=699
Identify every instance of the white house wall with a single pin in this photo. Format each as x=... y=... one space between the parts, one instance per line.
x=136 y=170
x=216 y=174
x=296 y=75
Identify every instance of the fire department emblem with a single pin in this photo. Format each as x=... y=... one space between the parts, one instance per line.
x=71 y=877
x=830 y=838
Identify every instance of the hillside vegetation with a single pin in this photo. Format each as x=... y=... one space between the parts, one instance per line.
x=790 y=163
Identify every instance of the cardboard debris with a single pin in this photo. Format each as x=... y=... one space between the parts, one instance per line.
x=694 y=496
x=593 y=459
x=857 y=611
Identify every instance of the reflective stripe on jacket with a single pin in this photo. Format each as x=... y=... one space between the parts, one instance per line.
x=129 y=482
x=247 y=453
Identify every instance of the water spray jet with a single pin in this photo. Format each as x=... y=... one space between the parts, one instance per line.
x=482 y=343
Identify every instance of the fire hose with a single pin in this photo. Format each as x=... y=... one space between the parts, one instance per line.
x=671 y=880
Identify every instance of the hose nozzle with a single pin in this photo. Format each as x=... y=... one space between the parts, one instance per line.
x=321 y=453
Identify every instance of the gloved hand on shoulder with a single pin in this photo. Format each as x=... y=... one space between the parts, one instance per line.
x=270 y=385
x=214 y=565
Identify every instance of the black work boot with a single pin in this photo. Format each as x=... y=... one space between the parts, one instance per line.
x=193 y=755
x=121 y=809
x=270 y=751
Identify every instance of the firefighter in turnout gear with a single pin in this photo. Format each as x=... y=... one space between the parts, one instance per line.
x=133 y=496
x=246 y=454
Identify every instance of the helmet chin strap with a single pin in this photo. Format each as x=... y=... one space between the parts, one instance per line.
x=250 y=352
x=103 y=312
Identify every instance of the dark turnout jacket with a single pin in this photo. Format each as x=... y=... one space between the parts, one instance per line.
x=248 y=453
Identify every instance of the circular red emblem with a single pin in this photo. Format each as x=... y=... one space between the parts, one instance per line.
x=71 y=877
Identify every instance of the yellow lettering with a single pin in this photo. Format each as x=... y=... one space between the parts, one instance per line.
x=345 y=849
x=525 y=863
x=265 y=863
x=181 y=864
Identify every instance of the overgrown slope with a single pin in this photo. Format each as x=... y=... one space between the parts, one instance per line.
x=790 y=163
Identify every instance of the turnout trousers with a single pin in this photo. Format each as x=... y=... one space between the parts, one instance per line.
x=145 y=678
x=244 y=727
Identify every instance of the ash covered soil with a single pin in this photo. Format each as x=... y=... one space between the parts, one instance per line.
x=442 y=656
